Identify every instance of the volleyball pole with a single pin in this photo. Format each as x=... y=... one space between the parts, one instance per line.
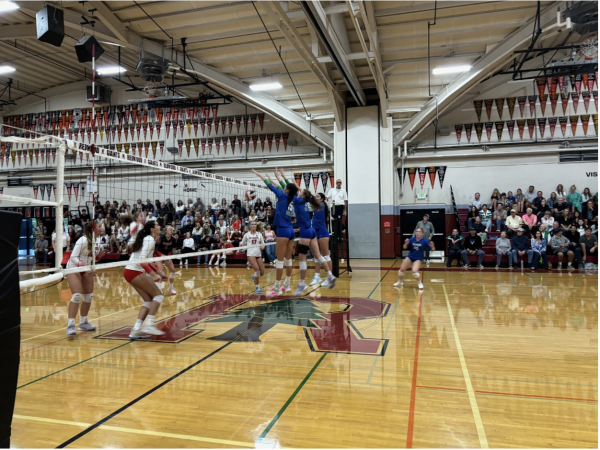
x=60 y=186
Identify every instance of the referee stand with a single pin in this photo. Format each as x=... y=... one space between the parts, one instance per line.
x=338 y=245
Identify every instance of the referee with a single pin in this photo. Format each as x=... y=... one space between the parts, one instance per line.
x=340 y=198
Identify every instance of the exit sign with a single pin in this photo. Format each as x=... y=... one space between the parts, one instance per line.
x=421 y=195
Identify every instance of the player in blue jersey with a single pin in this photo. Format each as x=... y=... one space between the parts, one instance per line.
x=319 y=223
x=285 y=233
x=416 y=246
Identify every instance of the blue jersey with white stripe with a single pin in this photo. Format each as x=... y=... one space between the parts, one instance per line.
x=318 y=220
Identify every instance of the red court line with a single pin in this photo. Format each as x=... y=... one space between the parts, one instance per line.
x=413 y=391
x=537 y=396
x=47 y=343
x=442 y=388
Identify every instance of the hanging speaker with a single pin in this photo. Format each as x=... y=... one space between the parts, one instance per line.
x=84 y=48
x=50 y=25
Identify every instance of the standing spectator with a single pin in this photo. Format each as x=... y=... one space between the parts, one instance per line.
x=495 y=198
x=538 y=248
x=560 y=192
x=588 y=244
x=530 y=194
x=473 y=248
x=548 y=220
x=590 y=215
x=428 y=231
x=503 y=247
x=237 y=205
x=473 y=214
x=66 y=241
x=41 y=248
x=560 y=247
x=513 y=223
x=520 y=247
x=530 y=222
x=206 y=244
x=339 y=196
x=476 y=201
x=500 y=217
x=170 y=210
x=269 y=236
x=455 y=244
x=270 y=214
x=486 y=217
x=574 y=199
x=519 y=199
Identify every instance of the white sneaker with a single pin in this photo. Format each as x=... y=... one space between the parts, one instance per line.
x=286 y=288
x=210 y=263
x=301 y=288
x=86 y=326
x=399 y=283
x=331 y=281
x=151 y=329
x=427 y=263
x=71 y=330
x=325 y=283
x=172 y=291
x=137 y=334
x=420 y=285
x=316 y=280
x=223 y=264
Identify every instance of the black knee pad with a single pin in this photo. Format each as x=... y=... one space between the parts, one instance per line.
x=302 y=249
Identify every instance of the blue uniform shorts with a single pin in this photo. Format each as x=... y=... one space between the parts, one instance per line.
x=307 y=233
x=286 y=232
x=322 y=233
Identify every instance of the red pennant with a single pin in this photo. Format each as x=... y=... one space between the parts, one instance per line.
x=574 y=120
x=563 y=124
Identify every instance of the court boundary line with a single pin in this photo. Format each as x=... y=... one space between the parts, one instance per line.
x=470 y=391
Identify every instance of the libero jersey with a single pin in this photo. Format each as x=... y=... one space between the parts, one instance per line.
x=318 y=220
x=165 y=246
x=417 y=248
x=302 y=210
x=283 y=212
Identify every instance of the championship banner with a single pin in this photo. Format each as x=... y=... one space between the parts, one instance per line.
x=255 y=141
x=441 y=171
x=521 y=101
x=543 y=102
x=575 y=99
x=532 y=99
x=586 y=100
x=488 y=107
x=585 y=120
x=468 y=131
x=412 y=171
x=230 y=120
x=179 y=145
x=552 y=123
x=209 y=123
x=245 y=119
x=330 y=172
x=479 y=130
x=478 y=104
x=253 y=121
x=564 y=100
x=553 y=87
x=284 y=138
x=277 y=140
x=531 y=127
x=224 y=140
x=270 y=142
x=154 y=144
x=324 y=181
x=232 y=142
x=584 y=79
x=458 y=129
x=595 y=95
x=510 y=125
x=306 y=177
x=188 y=146
x=262 y=137
x=578 y=79
x=43 y=191
x=563 y=124
x=298 y=178
x=595 y=118
x=541 y=85
x=590 y=82
x=562 y=87
x=510 y=101
x=218 y=144
x=500 y=106
x=573 y=120
x=210 y=144
x=238 y=122
x=422 y=175
x=315 y=179
x=553 y=103
x=542 y=126
x=203 y=145
x=499 y=128
x=489 y=126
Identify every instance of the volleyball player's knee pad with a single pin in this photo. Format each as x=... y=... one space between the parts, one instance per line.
x=287 y=262
x=158 y=298
x=302 y=265
x=321 y=259
x=302 y=249
x=257 y=274
x=279 y=264
x=416 y=274
x=76 y=298
x=87 y=298
x=327 y=258
x=147 y=304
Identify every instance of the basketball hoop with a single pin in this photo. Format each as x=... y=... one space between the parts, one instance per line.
x=589 y=48
x=150 y=89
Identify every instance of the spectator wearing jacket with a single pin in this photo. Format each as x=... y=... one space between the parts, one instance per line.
x=503 y=247
x=560 y=247
x=455 y=244
x=538 y=247
x=520 y=246
x=476 y=201
x=500 y=217
x=473 y=246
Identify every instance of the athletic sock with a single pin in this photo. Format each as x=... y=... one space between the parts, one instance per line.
x=150 y=320
x=171 y=286
x=70 y=322
x=329 y=273
x=277 y=286
x=302 y=281
x=287 y=281
x=138 y=324
x=82 y=319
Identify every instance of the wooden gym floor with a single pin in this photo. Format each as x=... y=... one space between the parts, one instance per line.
x=478 y=359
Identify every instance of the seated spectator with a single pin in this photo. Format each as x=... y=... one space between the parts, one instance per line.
x=586 y=196
x=545 y=232
x=504 y=200
x=552 y=201
x=480 y=229
x=495 y=198
x=564 y=220
x=537 y=202
x=236 y=238
x=542 y=209
x=513 y=223
x=208 y=219
x=76 y=223
x=473 y=213
x=237 y=205
x=527 y=204
x=206 y=230
x=477 y=202
x=162 y=211
x=41 y=229
x=581 y=227
x=150 y=216
x=197 y=233
x=519 y=199
x=189 y=246
x=267 y=203
x=560 y=192
x=85 y=218
x=205 y=244
x=574 y=199
x=257 y=204
x=102 y=241
x=455 y=244
x=270 y=214
x=198 y=205
x=530 y=222
x=179 y=210
x=473 y=246
x=547 y=220
x=221 y=226
x=531 y=194
x=573 y=235
x=486 y=217
x=138 y=204
x=538 y=248
x=511 y=201
x=261 y=214
x=187 y=221
x=560 y=206
x=214 y=206
x=40 y=248
x=590 y=215
x=520 y=247
x=500 y=216
x=236 y=223
x=588 y=244
x=149 y=207
x=560 y=247
x=503 y=247
x=229 y=216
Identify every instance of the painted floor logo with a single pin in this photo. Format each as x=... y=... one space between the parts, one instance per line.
x=329 y=323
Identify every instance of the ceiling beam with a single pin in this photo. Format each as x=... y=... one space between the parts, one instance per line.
x=18 y=32
x=111 y=21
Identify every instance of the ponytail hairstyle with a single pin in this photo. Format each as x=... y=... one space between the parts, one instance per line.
x=321 y=197
x=139 y=238
x=292 y=189
x=87 y=233
x=126 y=220
x=309 y=198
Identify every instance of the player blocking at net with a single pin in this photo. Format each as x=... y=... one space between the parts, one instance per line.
x=416 y=246
x=254 y=254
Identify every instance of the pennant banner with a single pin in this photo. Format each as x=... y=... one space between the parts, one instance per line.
x=306 y=177
x=412 y=172
x=522 y=101
x=552 y=124
x=511 y=105
x=422 y=176
x=458 y=129
x=531 y=127
x=324 y=181
x=441 y=172
x=510 y=126
x=573 y=120
x=488 y=108
x=432 y=173
x=585 y=121
x=479 y=130
x=499 y=128
x=489 y=126
x=562 y=121
x=468 y=131
x=478 y=104
x=542 y=126
x=500 y=106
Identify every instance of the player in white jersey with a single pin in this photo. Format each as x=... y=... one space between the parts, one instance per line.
x=82 y=283
x=254 y=255
x=142 y=249
x=139 y=219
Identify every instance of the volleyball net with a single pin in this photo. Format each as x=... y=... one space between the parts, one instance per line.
x=58 y=182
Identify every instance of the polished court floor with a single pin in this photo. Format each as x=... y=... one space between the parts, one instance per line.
x=478 y=359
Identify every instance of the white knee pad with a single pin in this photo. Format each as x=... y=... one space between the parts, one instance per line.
x=321 y=259
x=416 y=274
x=76 y=298
x=147 y=304
x=279 y=264
x=87 y=298
x=327 y=258
x=302 y=265
x=158 y=298
x=287 y=262
x=400 y=273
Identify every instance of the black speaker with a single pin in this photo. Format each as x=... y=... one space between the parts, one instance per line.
x=84 y=49
x=50 y=25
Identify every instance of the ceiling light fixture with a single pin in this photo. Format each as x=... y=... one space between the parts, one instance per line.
x=110 y=70
x=6 y=69
x=266 y=86
x=8 y=6
x=451 y=69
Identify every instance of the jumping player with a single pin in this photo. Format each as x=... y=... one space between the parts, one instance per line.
x=319 y=223
x=164 y=246
x=416 y=246
x=254 y=255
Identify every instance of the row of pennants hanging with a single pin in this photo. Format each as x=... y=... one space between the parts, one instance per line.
x=13 y=150
x=558 y=88
x=326 y=179
x=432 y=171
x=127 y=120
x=541 y=123
x=46 y=189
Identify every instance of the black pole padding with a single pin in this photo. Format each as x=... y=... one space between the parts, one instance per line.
x=334 y=248
x=10 y=320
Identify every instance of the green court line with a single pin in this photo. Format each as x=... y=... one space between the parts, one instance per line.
x=76 y=364
x=384 y=336
x=377 y=285
x=289 y=400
